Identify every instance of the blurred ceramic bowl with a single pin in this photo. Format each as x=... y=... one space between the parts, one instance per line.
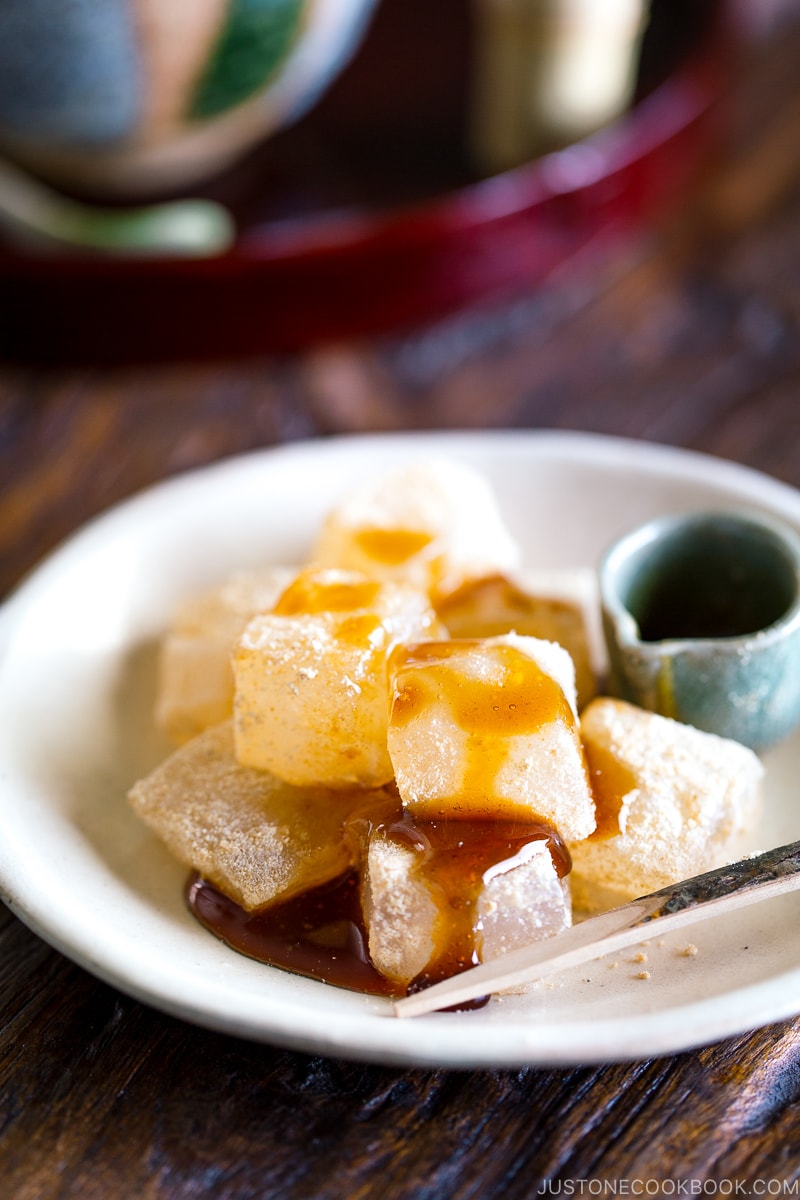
x=138 y=95
x=364 y=219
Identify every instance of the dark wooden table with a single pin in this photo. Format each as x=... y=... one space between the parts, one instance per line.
x=690 y=336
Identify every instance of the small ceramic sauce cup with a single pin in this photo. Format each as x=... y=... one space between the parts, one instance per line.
x=701 y=615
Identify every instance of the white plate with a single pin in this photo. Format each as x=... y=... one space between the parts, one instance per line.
x=76 y=686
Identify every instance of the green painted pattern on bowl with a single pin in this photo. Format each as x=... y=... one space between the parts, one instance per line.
x=256 y=38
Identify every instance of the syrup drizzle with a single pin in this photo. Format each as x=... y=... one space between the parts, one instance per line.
x=611 y=781
x=513 y=698
x=320 y=934
x=457 y=858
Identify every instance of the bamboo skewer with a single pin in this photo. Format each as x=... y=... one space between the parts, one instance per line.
x=727 y=889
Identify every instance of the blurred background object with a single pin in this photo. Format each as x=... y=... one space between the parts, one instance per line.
x=370 y=216
x=550 y=72
x=40 y=218
x=132 y=96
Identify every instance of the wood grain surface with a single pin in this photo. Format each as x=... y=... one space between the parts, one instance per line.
x=691 y=337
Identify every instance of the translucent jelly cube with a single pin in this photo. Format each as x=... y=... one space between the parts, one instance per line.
x=255 y=837
x=400 y=912
x=311 y=691
x=432 y=524
x=522 y=903
x=195 y=688
x=672 y=801
x=557 y=606
x=488 y=729
x=440 y=896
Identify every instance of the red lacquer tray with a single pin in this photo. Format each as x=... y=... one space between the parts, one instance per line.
x=364 y=218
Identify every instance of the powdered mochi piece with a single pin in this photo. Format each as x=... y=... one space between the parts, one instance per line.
x=311 y=700
x=254 y=837
x=432 y=910
x=672 y=801
x=488 y=729
x=432 y=524
x=557 y=606
x=195 y=688
x=399 y=909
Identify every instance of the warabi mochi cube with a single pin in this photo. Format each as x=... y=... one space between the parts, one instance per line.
x=195 y=686
x=399 y=909
x=522 y=904
x=488 y=729
x=432 y=524
x=440 y=896
x=555 y=605
x=258 y=839
x=672 y=801
x=311 y=700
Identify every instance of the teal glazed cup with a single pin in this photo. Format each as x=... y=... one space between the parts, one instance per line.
x=701 y=615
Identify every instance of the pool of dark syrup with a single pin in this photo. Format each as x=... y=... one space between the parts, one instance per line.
x=321 y=934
